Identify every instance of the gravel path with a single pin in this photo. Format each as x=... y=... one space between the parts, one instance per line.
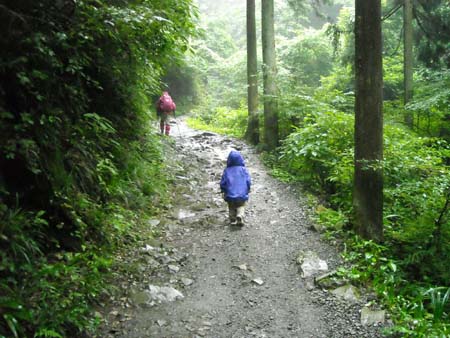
x=235 y=282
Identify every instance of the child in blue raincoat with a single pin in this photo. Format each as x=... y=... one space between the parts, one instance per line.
x=235 y=186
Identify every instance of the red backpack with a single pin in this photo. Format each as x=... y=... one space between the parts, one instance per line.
x=165 y=103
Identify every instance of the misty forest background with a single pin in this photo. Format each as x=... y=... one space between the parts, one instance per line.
x=82 y=169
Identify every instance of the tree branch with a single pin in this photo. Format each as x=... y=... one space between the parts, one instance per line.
x=444 y=210
x=391 y=12
x=437 y=233
x=12 y=13
x=400 y=39
x=419 y=23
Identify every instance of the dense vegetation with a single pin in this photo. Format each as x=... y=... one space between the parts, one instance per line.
x=79 y=163
x=409 y=270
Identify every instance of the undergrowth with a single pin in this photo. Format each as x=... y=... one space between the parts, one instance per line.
x=79 y=166
x=49 y=284
x=409 y=271
x=222 y=120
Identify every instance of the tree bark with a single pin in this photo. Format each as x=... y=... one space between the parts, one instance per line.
x=408 y=57
x=252 y=133
x=269 y=72
x=368 y=179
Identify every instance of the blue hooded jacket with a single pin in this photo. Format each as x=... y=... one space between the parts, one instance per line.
x=235 y=182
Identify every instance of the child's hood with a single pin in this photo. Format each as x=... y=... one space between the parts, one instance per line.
x=235 y=159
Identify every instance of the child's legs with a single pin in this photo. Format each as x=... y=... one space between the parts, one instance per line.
x=240 y=210
x=232 y=211
x=236 y=209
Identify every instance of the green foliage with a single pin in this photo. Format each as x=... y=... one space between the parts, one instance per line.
x=432 y=34
x=310 y=49
x=431 y=102
x=52 y=292
x=333 y=220
x=369 y=263
x=223 y=120
x=342 y=36
x=320 y=153
x=32 y=288
x=338 y=89
x=220 y=41
x=392 y=77
x=224 y=79
x=79 y=166
x=183 y=83
x=418 y=311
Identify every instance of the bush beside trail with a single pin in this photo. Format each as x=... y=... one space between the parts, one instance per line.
x=79 y=166
x=410 y=269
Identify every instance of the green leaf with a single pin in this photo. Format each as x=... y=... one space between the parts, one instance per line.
x=392 y=266
x=12 y=324
x=47 y=333
x=6 y=115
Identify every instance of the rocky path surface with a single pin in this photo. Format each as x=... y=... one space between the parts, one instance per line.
x=205 y=278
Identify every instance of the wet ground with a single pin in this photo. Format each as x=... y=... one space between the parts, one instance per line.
x=205 y=278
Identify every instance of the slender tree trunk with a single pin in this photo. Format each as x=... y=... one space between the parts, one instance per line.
x=269 y=72
x=252 y=134
x=408 y=56
x=368 y=179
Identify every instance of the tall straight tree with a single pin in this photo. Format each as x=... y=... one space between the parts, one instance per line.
x=252 y=133
x=408 y=56
x=368 y=179
x=269 y=74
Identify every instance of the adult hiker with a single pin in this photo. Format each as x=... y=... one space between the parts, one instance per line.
x=164 y=108
x=235 y=185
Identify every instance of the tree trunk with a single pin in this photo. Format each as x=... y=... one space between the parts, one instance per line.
x=252 y=134
x=269 y=72
x=408 y=57
x=368 y=179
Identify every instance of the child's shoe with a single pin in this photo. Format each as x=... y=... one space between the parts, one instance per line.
x=239 y=221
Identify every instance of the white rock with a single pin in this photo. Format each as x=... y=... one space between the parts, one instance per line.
x=370 y=317
x=164 y=293
x=311 y=264
x=347 y=292
x=161 y=322
x=258 y=281
x=173 y=268
x=147 y=248
x=241 y=267
x=187 y=281
x=154 y=222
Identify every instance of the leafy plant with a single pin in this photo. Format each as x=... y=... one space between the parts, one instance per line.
x=223 y=120
x=319 y=153
x=79 y=165
x=439 y=302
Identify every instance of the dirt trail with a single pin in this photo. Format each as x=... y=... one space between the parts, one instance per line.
x=219 y=268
